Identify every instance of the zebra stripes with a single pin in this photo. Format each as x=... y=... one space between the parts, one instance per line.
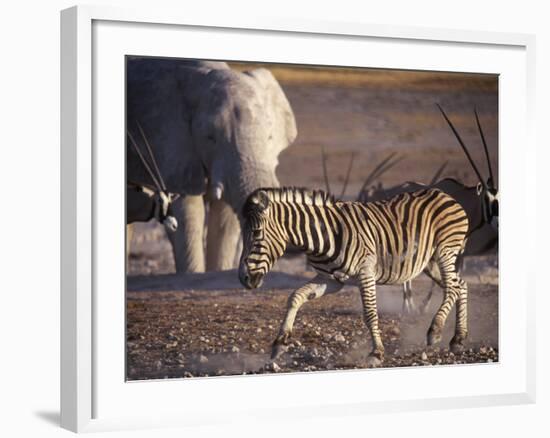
x=384 y=242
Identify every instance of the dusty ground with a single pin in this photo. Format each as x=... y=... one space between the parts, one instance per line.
x=207 y=324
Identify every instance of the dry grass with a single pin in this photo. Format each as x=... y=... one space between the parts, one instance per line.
x=375 y=78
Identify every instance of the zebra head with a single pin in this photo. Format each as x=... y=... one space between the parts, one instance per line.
x=486 y=189
x=263 y=242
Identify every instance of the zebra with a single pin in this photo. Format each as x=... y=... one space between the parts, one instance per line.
x=385 y=242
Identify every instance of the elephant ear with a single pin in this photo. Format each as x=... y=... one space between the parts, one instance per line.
x=282 y=112
x=155 y=105
x=193 y=78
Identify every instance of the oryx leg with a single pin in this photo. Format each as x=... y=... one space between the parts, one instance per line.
x=188 y=240
x=426 y=301
x=433 y=272
x=409 y=307
x=455 y=291
x=367 y=287
x=316 y=288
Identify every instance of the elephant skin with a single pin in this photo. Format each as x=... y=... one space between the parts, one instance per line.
x=216 y=134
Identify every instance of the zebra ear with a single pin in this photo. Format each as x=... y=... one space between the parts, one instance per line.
x=260 y=199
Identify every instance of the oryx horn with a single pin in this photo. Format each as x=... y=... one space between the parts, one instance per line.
x=153 y=160
x=463 y=146
x=492 y=181
x=438 y=173
x=325 y=174
x=346 y=181
x=144 y=162
x=380 y=169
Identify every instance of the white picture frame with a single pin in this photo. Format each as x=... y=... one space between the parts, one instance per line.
x=93 y=395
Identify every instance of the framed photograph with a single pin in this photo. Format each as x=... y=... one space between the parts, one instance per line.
x=258 y=208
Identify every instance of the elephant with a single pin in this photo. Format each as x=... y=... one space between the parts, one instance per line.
x=217 y=134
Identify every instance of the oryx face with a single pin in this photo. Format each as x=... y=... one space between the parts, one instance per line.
x=489 y=204
x=163 y=210
x=486 y=190
x=491 y=207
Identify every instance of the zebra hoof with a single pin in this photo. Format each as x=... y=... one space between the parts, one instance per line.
x=456 y=348
x=434 y=336
x=373 y=361
x=456 y=345
x=277 y=350
x=279 y=345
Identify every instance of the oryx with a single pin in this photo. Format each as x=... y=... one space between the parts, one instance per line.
x=145 y=201
x=480 y=203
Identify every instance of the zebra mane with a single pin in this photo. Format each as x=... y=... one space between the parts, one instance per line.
x=300 y=195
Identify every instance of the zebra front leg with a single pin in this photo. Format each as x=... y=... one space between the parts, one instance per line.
x=367 y=285
x=316 y=288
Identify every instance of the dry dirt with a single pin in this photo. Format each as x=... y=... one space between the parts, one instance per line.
x=207 y=324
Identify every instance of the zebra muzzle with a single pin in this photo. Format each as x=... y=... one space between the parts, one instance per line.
x=250 y=281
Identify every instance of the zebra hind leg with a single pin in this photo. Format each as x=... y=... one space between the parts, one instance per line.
x=461 y=329
x=451 y=284
x=312 y=290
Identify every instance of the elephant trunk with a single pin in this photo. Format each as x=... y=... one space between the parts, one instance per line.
x=234 y=184
x=227 y=194
x=250 y=180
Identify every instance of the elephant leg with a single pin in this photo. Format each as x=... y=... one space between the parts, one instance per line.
x=223 y=237
x=129 y=237
x=188 y=240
